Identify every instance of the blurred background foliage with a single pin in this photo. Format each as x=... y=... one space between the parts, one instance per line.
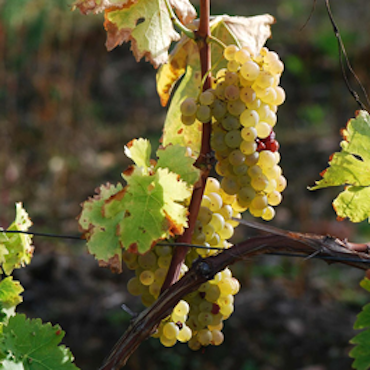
x=67 y=107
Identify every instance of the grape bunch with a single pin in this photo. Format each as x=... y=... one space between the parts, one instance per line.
x=198 y=318
x=242 y=106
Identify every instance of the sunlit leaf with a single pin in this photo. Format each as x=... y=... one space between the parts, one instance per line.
x=16 y=250
x=349 y=168
x=30 y=345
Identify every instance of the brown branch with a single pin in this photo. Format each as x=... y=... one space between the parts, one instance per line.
x=204 y=269
x=203 y=160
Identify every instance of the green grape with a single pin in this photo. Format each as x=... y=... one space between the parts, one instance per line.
x=252 y=159
x=163 y=250
x=219 y=109
x=248 y=147
x=220 y=90
x=231 y=78
x=259 y=202
x=274 y=198
x=271 y=119
x=204 y=337
x=233 y=139
x=269 y=96
x=216 y=201
x=233 y=66
x=249 y=134
x=240 y=170
x=206 y=202
x=185 y=334
x=266 y=159
x=147 y=260
x=204 y=113
x=256 y=212
x=247 y=194
x=164 y=261
x=230 y=122
x=263 y=129
x=265 y=79
x=231 y=92
x=268 y=213
x=249 y=118
x=226 y=285
x=170 y=330
x=160 y=275
x=229 y=52
x=221 y=73
x=189 y=107
x=207 y=97
x=218 y=141
x=227 y=231
x=242 y=56
x=236 y=286
x=271 y=186
x=273 y=172
x=212 y=185
x=281 y=183
x=230 y=185
x=217 y=337
x=217 y=222
x=226 y=299
x=146 y=277
x=205 y=214
x=155 y=289
x=129 y=257
x=167 y=342
x=260 y=182
x=212 y=293
x=226 y=311
x=250 y=70
x=194 y=344
x=188 y=120
x=236 y=107
x=280 y=95
x=134 y=286
x=247 y=95
x=236 y=157
x=244 y=180
x=182 y=308
x=205 y=318
x=226 y=211
x=209 y=231
x=254 y=105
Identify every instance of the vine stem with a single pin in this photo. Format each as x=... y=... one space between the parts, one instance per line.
x=202 y=35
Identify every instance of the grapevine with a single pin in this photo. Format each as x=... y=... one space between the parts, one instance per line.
x=172 y=219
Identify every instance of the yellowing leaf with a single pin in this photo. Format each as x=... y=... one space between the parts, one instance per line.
x=10 y=291
x=250 y=31
x=349 y=168
x=149 y=209
x=147 y=25
x=98 y=6
x=184 y=10
x=139 y=151
x=16 y=250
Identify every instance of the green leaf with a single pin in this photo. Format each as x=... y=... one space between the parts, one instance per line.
x=147 y=24
x=349 y=168
x=139 y=151
x=175 y=159
x=185 y=59
x=31 y=345
x=100 y=232
x=16 y=250
x=10 y=291
x=361 y=352
x=149 y=209
x=152 y=209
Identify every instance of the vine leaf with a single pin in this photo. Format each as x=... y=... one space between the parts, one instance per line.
x=16 y=250
x=30 y=345
x=184 y=63
x=360 y=352
x=146 y=23
x=149 y=209
x=10 y=291
x=350 y=168
x=174 y=157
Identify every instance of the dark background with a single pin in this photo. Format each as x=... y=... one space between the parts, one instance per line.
x=67 y=108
